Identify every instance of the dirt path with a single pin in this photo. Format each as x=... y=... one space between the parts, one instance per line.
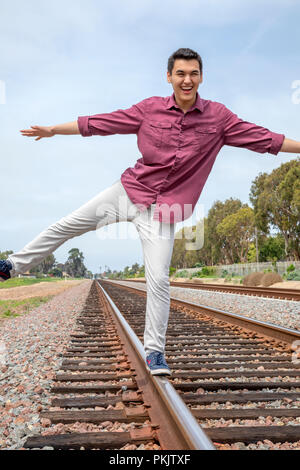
x=37 y=290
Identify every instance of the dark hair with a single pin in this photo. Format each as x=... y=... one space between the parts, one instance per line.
x=183 y=53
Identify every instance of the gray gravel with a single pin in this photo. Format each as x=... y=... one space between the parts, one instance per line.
x=279 y=312
x=31 y=347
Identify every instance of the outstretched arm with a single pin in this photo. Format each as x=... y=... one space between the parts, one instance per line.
x=122 y=121
x=241 y=133
x=291 y=146
x=68 y=128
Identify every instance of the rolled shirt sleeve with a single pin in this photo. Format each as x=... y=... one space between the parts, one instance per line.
x=122 y=121
x=240 y=133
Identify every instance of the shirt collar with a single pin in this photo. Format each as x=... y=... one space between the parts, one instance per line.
x=198 y=103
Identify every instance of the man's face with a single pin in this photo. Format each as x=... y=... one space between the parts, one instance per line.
x=185 y=80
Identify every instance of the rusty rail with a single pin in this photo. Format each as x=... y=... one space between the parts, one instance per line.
x=177 y=426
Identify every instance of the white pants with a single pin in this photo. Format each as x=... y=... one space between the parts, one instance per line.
x=157 y=238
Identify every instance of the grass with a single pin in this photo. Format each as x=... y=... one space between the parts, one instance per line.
x=24 y=281
x=15 y=308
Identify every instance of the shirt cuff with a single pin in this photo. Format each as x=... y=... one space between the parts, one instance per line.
x=83 y=125
x=277 y=141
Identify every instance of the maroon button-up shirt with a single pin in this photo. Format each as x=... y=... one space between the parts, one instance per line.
x=178 y=149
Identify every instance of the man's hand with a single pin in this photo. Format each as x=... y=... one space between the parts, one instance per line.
x=68 y=128
x=38 y=131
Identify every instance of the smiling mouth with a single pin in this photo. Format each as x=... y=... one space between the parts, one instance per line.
x=186 y=91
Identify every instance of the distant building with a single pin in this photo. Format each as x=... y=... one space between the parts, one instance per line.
x=27 y=274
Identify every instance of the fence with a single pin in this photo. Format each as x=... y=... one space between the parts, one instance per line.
x=247 y=268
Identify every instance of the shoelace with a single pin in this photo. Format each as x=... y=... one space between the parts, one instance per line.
x=161 y=360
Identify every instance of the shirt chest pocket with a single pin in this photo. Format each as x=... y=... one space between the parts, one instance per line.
x=204 y=135
x=159 y=132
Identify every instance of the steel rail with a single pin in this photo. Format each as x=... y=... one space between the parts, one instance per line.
x=175 y=422
x=269 y=330
x=272 y=292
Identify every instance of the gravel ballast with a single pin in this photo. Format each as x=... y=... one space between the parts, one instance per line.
x=280 y=312
x=31 y=347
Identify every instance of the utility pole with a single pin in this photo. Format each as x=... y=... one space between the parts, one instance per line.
x=256 y=244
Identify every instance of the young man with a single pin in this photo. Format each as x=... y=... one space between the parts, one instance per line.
x=179 y=137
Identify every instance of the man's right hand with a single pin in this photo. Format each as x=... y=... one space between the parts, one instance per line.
x=39 y=132
x=68 y=128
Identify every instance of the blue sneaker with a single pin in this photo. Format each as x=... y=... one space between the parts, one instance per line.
x=157 y=365
x=5 y=267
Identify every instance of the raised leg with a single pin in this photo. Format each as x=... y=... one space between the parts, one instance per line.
x=109 y=206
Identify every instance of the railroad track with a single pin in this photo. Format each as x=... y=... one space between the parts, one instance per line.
x=240 y=378
x=276 y=293
x=104 y=384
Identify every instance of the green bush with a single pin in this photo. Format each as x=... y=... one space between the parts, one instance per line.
x=172 y=271
x=208 y=271
x=290 y=268
x=183 y=273
x=197 y=274
x=198 y=265
x=294 y=275
x=224 y=273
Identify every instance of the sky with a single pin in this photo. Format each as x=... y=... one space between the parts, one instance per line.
x=68 y=58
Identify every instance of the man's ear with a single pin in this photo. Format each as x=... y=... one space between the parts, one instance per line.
x=168 y=77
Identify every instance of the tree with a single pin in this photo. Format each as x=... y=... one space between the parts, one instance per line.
x=45 y=266
x=276 y=201
x=178 y=255
x=5 y=254
x=272 y=249
x=56 y=272
x=126 y=271
x=251 y=256
x=134 y=268
x=74 y=265
x=238 y=230
x=217 y=243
